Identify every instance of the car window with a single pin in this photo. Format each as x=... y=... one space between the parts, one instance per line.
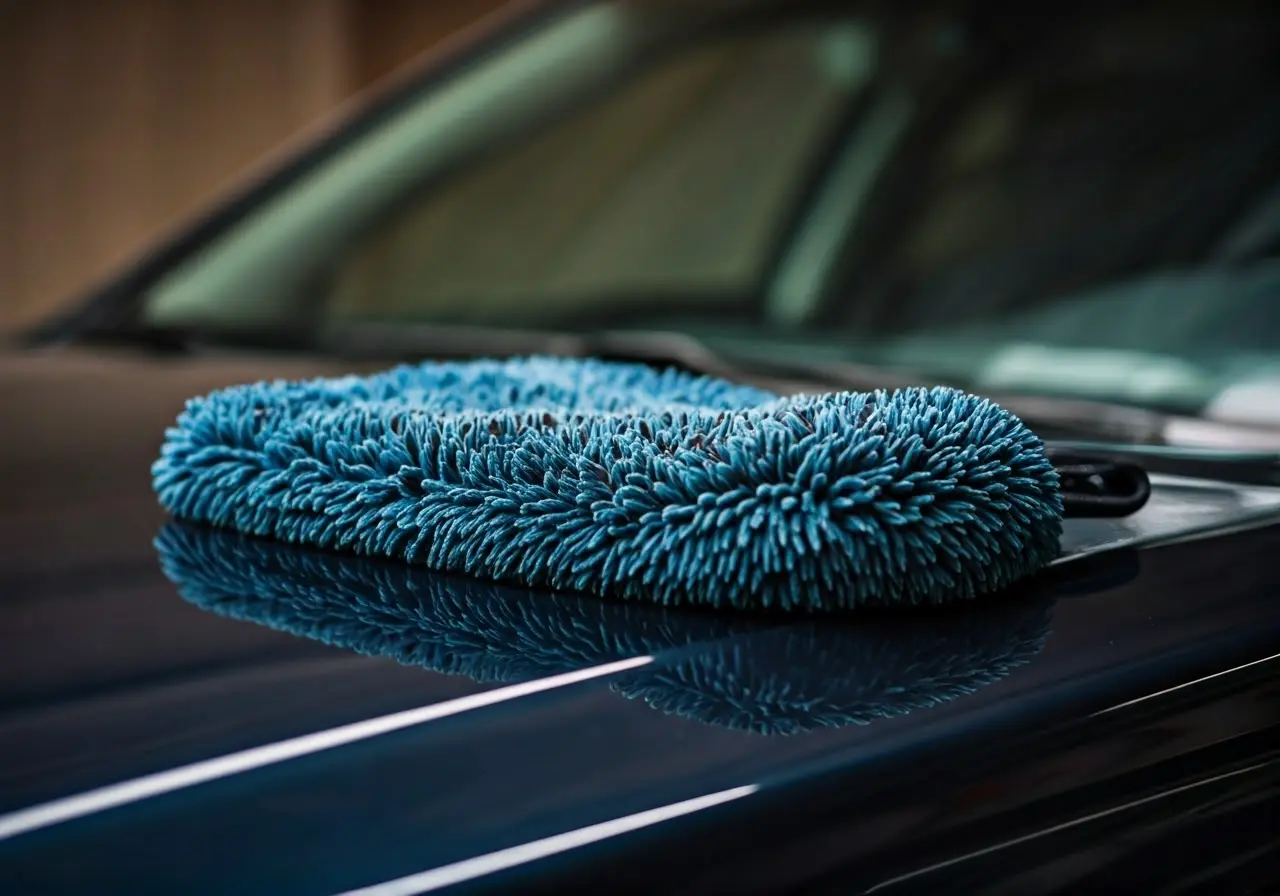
x=616 y=151
x=1081 y=199
x=262 y=271
x=1118 y=144
x=677 y=183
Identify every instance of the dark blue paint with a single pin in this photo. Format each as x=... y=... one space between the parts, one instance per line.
x=110 y=675
x=736 y=670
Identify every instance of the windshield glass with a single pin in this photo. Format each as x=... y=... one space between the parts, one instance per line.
x=1084 y=202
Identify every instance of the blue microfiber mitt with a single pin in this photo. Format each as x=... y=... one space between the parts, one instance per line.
x=737 y=671
x=622 y=481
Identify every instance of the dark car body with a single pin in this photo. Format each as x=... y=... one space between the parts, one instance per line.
x=1129 y=742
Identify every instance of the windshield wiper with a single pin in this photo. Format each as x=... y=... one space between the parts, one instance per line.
x=1104 y=451
x=659 y=348
x=1087 y=424
x=1057 y=417
x=754 y=362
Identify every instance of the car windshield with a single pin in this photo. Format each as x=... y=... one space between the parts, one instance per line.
x=1084 y=202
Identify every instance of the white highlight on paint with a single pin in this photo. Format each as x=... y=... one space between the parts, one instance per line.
x=1075 y=822
x=470 y=869
x=115 y=795
x=1187 y=684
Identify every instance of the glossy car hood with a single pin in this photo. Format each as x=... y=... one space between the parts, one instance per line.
x=217 y=715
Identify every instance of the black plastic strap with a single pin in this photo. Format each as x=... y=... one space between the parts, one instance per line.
x=1099 y=487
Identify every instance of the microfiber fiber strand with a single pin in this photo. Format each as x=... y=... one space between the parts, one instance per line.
x=739 y=671
x=627 y=482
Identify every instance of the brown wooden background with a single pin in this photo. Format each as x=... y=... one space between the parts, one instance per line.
x=118 y=117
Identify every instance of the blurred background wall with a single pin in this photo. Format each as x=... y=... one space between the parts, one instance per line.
x=119 y=117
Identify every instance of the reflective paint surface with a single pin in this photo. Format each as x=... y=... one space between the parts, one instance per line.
x=1147 y=720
